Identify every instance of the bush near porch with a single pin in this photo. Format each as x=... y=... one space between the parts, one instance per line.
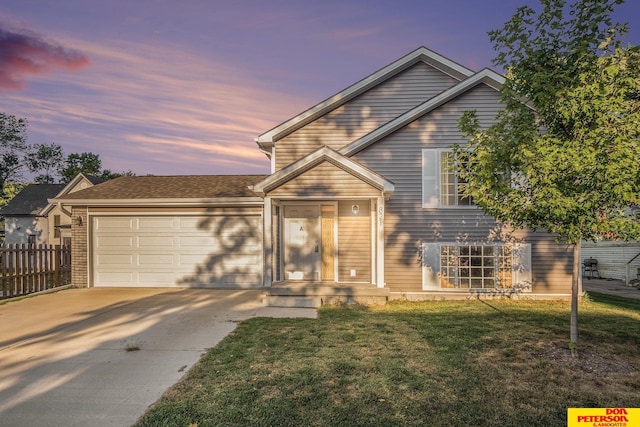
x=492 y=363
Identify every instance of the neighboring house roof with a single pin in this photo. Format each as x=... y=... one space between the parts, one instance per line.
x=93 y=179
x=31 y=200
x=422 y=54
x=164 y=189
x=70 y=187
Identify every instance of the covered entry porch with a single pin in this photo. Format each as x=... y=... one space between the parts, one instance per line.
x=324 y=231
x=326 y=253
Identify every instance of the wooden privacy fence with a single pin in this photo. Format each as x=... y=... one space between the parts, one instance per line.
x=26 y=269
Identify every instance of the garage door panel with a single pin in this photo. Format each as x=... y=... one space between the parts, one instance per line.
x=193 y=223
x=242 y=260
x=225 y=244
x=156 y=223
x=115 y=223
x=155 y=260
x=155 y=241
x=198 y=241
x=114 y=241
x=116 y=278
x=213 y=251
x=114 y=259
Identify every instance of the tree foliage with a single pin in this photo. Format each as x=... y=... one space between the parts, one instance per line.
x=563 y=154
x=573 y=146
x=13 y=146
x=46 y=160
x=87 y=163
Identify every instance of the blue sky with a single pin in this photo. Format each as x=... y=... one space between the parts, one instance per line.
x=183 y=87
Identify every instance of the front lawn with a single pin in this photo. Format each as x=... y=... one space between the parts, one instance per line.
x=469 y=363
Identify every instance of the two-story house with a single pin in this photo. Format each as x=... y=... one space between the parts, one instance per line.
x=361 y=201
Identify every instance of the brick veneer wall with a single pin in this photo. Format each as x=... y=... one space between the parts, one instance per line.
x=79 y=262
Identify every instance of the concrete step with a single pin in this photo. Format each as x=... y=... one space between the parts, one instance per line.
x=320 y=290
x=291 y=301
x=315 y=294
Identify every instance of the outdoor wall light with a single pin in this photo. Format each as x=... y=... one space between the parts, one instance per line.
x=355 y=209
x=78 y=221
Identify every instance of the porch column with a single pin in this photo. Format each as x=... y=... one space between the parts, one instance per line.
x=380 y=242
x=268 y=242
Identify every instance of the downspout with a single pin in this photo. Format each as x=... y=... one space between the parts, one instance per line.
x=63 y=210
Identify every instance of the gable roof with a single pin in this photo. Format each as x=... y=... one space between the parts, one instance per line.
x=486 y=76
x=422 y=54
x=31 y=200
x=68 y=187
x=321 y=155
x=164 y=190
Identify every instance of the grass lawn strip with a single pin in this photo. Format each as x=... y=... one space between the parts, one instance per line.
x=475 y=363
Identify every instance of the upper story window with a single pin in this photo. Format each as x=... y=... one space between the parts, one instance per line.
x=441 y=185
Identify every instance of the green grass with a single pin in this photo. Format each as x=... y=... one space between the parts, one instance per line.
x=471 y=363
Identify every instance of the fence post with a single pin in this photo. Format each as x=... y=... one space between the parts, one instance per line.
x=57 y=264
x=3 y=261
x=11 y=266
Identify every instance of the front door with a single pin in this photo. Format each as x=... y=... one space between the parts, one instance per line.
x=302 y=242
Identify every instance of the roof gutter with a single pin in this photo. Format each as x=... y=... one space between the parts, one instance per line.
x=218 y=201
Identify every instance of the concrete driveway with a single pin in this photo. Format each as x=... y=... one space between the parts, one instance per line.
x=63 y=358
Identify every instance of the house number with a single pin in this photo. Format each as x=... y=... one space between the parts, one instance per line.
x=380 y=214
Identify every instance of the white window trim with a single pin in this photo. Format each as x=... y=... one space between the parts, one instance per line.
x=521 y=267
x=431 y=180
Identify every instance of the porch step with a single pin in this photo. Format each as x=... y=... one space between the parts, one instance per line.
x=315 y=294
x=291 y=301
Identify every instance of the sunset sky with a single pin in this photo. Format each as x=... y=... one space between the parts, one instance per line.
x=183 y=87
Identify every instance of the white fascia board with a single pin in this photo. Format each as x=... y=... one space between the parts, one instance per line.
x=245 y=201
x=421 y=54
x=486 y=76
x=317 y=157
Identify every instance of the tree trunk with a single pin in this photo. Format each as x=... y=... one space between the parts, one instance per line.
x=575 y=290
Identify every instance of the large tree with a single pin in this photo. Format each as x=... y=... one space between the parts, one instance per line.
x=13 y=147
x=87 y=163
x=45 y=160
x=564 y=153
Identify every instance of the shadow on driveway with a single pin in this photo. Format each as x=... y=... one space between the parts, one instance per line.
x=63 y=358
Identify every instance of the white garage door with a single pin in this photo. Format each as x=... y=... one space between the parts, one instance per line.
x=202 y=251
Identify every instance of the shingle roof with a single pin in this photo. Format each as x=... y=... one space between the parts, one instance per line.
x=32 y=199
x=94 y=179
x=170 y=187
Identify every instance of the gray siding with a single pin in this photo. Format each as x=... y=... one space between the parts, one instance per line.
x=364 y=113
x=612 y=258
x=325 y=180
x=408 y=225
x=354 y=242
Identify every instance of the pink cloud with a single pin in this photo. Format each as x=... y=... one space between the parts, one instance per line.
x=23 y=54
